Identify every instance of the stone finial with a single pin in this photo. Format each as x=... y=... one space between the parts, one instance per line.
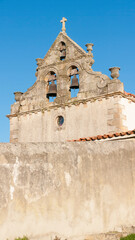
x=89 y=47
x=18 y=95
x=63 y=24
x=114 y=72
x=90 y=54
x=39 y=61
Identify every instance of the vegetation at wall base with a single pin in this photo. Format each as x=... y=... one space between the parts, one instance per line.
x=128 y=237
x=24 y=238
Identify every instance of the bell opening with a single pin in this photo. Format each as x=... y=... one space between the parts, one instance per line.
x=62 y=51
x=74 y=87
x=52 y=90
x=62 y=58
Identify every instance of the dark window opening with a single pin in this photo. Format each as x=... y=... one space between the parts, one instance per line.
x=60 y=120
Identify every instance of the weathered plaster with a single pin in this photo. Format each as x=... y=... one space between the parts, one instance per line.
x=71 y=190
x=129 y=112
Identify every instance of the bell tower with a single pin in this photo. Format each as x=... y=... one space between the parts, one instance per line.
x=49 y=112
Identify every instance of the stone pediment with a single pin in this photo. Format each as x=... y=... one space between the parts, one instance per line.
x=73 y=51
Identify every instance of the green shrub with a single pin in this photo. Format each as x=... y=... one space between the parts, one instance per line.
x=129 y=237
x=24 y=238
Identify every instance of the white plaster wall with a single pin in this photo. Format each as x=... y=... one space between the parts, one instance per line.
x=129 y=112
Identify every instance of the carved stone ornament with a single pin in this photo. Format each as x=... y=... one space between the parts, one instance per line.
x=18 y=95
x=39 y=61
x=102 y=83
x=89 y=47
x=63 y=24
x=87 y=63
x=36 y=74
x=114 y=72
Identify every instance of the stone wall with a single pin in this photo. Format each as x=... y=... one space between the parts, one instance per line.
x=71 y=190
x=81 y=119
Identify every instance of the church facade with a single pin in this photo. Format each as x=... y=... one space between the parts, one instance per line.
x=49 y=111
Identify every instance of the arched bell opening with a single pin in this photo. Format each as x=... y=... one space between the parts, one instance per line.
x=62 y=51
x=74 y=81
x=52 y=86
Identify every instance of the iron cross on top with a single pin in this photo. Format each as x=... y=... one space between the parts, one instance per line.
x=63 y=24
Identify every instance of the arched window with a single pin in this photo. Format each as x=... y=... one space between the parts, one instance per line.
x=74 y=81
x=62 y=51
x=52 y=86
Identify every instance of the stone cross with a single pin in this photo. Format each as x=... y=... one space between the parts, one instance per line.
x=63 y=24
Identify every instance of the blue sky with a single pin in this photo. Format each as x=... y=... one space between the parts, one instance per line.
x=28 y=29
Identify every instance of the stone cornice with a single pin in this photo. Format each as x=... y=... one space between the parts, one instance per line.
x=75 y=102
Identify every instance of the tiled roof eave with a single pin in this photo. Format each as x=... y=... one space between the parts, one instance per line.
x=129 y=94
x=108 y=137
x=117 y=138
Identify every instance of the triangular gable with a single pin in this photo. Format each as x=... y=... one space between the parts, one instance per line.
x=52 y=55
x=74 y=43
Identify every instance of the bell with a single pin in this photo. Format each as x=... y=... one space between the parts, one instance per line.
x=52 y=77
x=52 y=90
x=63 y=54
x=62 y=47
x=75 y=84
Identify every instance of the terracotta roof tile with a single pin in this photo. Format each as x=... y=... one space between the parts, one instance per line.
x=116 y=134
x=99 y=137
x=88 y=139
x=105 y=136
x=123 y=133
x=110 y=135
x=129 y=94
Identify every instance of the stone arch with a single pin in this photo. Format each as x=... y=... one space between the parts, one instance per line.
x=45 y=76
x=73 y=64
x=46 y=72
x=73 y=73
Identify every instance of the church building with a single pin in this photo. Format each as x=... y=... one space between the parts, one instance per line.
x=68 y=172
x=69 y=100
